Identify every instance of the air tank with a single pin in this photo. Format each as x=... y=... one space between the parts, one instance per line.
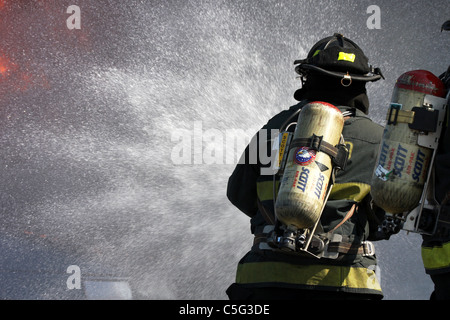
x=402 y=165
x=307 y=173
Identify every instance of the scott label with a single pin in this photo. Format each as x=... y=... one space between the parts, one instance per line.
x=302 y=179
x=402 y=161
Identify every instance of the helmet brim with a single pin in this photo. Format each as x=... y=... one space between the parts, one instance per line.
x=370 y=77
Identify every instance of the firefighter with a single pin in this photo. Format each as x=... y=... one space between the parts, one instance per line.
x=335 y=71
x=436 y=248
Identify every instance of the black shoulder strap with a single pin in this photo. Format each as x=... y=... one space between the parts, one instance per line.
x=338 y=153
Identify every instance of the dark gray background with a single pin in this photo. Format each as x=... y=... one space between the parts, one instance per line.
x=87 y=116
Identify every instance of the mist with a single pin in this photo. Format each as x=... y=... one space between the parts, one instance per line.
x=114 y=153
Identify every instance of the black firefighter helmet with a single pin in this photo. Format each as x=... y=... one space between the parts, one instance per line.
x=339 y=57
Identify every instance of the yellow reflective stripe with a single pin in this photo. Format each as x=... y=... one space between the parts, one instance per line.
x=283 y=142
x=347 y=56
x=436 y=257
x=264 y=190
x=355 y=191
x=316 y=275
x=349 y=146
x=316 y=53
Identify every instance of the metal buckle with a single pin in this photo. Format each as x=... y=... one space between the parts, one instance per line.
x=397 y=107
x=369 y=248
x=340 y=161
x=315 y=142
x=347 y=77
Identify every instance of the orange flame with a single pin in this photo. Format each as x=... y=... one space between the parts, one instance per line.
x=18 y=74
x=6 y=66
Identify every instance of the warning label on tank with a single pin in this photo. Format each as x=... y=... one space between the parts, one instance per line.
x=382 y=173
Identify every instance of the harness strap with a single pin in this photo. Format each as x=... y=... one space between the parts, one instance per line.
x=267 y=215
x=418 y=118
x=347 y=216
x=345 y=246
x=338 y=154
x=396 y=115
x=260 y=235
x=315 y=143
x=364 y=248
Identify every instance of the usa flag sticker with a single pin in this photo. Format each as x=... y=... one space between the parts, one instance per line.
x=304 y=156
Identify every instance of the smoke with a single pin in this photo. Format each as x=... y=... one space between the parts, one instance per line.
x=88 y=118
